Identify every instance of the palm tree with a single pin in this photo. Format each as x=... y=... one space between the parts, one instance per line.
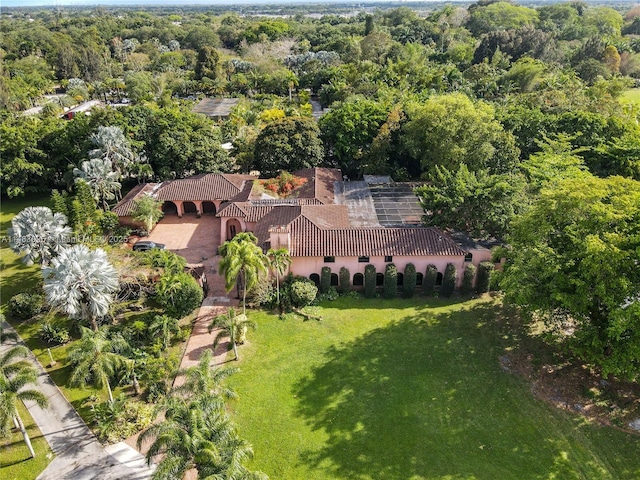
x=164 y=326
x=147 y=210
x=198 y=434
x=279 y=261
x=81 y=282
x=38 y=233
x=206 y=379
x=12 y=391
x=95 y=358
x=98 y=174
x=232 y=326
x=242 y=258
x=112 y=145
x=15 y=375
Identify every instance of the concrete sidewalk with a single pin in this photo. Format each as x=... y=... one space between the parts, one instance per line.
x=79 y=455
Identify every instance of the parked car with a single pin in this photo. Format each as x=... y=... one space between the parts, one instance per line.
x=145 y=245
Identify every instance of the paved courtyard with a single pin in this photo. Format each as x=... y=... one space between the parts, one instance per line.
x=196 y=239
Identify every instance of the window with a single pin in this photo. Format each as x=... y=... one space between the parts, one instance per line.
x=232 y=230
x=468 y=257
x=388 y=258
x=379 y=279
x=419 y=278
x=334 y=279
x=315 y=278
x=400 y=279
x=358 y=280
x=329 y=259
x=439 y=280
x=363 y=259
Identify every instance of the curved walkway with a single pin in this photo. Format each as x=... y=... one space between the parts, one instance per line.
x=79 y=455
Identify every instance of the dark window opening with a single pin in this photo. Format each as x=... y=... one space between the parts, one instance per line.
x=358 y=280
x=379 y=279
x=329 y=259
x=439 y=280
x=468 y=257
x=388 y=258
x=315 y=278
x=419 y=279
x=400 y=279
x=363 y=259
x=334 y=279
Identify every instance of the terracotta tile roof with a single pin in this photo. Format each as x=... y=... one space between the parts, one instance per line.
x=125 y=206
x=282 y=215
x=320 y=183
x=327 y=216
x=307 y=240
x=210 y=186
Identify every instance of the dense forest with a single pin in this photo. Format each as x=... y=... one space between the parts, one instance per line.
x=512 y=117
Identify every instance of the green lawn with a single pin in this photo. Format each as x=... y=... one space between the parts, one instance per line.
x=408 y=390
x=631 y=96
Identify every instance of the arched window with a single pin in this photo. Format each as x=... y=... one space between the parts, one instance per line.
x=334 y=279
x=358 y=280
x=439 y=280
x=315 y=278
x=400 y=279
x=419 y=278
x=379 y=279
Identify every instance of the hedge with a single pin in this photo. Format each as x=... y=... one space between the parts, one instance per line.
x=484 y=277
x=449 y=280
x=409 y=285
x=370 y=281
x=390 y=281
x=325 y=279
x=467 y=279
x=430 y=280
x=344 y=283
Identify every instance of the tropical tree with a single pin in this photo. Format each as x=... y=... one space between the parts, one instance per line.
x=112 y=145
x=198 y=434
x=147 y=210
x=98 y=174
x=96 y=358
x=279 y=261
x=81 y=282
x=165 y=327
x=233 y=326
x=242 y=260
x=206 y=379
x=38 y=233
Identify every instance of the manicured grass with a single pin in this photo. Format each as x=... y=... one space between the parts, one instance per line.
x=631 y=96
x=15 y=461
x=408 y=389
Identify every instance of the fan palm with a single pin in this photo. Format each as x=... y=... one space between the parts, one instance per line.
x=165 y=327
x=233 y=326
x=112 y=145
x=95 y=359
x=38 y=233
x=242 y=259
x=206 y=379
x=279 y=261
x=101 y=178
x=81 y=282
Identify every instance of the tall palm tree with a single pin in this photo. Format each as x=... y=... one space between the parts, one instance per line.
x=103 y=181
x=279 y=261
x=81 y=282
x=206 y=379
x=242 y=259
x=198 y=434
x=233 y=326
x=165 y=327
x=96 y=358
x=38 y=233
x=16 y=373
x=112 y=145
x=12 y=391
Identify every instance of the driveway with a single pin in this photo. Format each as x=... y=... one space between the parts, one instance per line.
x=196 y=239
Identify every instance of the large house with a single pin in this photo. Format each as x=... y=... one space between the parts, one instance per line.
x=324 y=222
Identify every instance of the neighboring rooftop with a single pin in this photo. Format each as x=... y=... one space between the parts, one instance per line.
x=216 y=107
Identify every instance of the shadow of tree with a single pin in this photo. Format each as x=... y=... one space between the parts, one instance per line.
x=425 y=397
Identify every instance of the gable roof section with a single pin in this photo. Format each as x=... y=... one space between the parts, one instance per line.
x=307 y=240
x=320 y=183
x=210 y=186
x=125 y=206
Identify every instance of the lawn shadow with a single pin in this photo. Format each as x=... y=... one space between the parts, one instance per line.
x=425 y=397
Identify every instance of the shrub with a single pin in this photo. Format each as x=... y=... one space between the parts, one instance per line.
x=156 y=375
x=325 y=279
x=370 y=281
x=430 y=279
x=496 y=279
x=449 y=280
x=344 y=285
x=26 y=305
x=331 y=295
x=179 y=294
x=303 y=293
x=166 y=259
x=121 y=419
x=409 y=285
x=390 y=289
x=54 y=334
x=467 y=279
x=108 y=222
x=262 y=293
x=484 y=277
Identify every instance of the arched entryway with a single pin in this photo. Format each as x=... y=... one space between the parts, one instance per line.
x=233 y=228
x=315 y=278
x=189 y=207
x=169 y=208
x=208 y=207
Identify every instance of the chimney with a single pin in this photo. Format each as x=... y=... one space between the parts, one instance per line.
x=280 y=237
